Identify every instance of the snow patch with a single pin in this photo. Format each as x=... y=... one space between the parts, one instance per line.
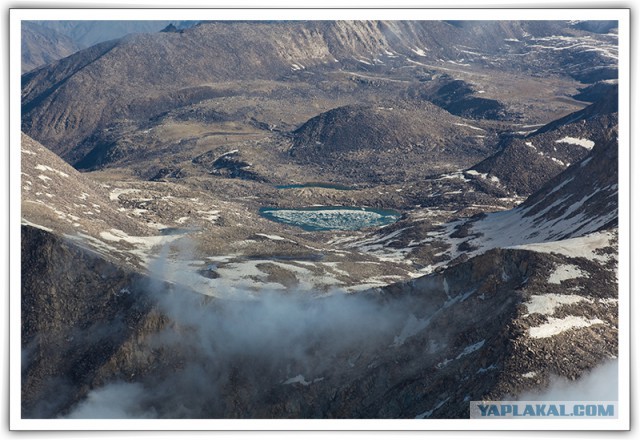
x=116 y=193
x=118 y=235
x=586 y=143
x=271 y=237
x=580 y=247
x=457 y=175
x=470 y=349
x=53 y=170
x=297 y=379
x=546 y=304
x=210 y=216
x=26 y=222
x=412 y=327
x=468 y=126
x=566 y=272
x=561 y=185
x=484 y=370
x=485 y=176
x=585 y=162
x=555 y=326
x=142 y=245
x=419 y=52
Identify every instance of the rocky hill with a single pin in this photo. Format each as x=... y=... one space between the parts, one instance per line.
x=461 y=98
x=598 y=91
x=387 y=136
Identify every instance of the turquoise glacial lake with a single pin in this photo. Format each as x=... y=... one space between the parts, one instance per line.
x=331 y=218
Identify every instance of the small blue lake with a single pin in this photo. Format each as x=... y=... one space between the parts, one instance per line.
x=332 y=218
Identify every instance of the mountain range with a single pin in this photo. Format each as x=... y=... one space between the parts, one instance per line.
x=154 y=285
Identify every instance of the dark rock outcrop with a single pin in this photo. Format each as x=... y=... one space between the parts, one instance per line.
x=78 y=312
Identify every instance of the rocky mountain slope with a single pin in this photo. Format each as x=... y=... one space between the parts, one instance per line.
x=142 y=76
x=581 y=200
x=73 y=325
x=526 y=163
x=41 y=45
x=58 y=196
